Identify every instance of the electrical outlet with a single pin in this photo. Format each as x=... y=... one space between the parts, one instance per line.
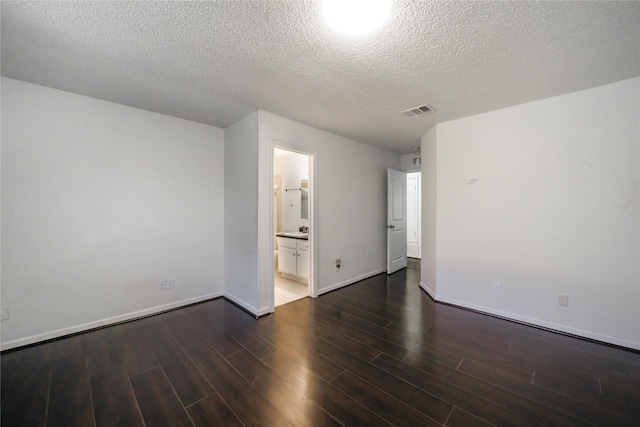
x=170 y=283
x=497 y=287
x=5 y=313
x=563 y=300
x=162 y=284
x=338 y=264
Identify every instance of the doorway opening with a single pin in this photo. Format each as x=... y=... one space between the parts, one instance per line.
x=414 y=219
x=291 y=222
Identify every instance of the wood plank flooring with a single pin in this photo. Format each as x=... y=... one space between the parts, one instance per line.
x=376 y=353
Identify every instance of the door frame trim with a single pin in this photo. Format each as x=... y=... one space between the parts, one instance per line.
x=313 y=244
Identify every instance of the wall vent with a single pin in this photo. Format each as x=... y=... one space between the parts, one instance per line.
x=417 y=111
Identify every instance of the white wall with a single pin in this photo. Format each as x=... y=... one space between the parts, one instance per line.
x=99 y=202
x=241 y=212
x=351 y=198
x=293 y=168
x=553 y=210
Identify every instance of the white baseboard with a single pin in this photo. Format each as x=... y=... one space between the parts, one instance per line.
x=350 y=281
x=104 y=322
x=242 y=304
x=427 y=290
x=263 y=312
x=266 y=310
x=294 y=278
x=538 y=322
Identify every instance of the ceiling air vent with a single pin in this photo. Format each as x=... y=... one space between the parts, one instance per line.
x=417 y=111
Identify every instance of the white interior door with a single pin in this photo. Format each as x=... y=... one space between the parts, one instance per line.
x=396 y=220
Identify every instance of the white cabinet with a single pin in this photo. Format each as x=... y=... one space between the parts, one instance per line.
x=293 y=258
x=303 y=264
x=287 y=261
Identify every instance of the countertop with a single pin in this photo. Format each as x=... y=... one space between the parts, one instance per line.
x=294 y=235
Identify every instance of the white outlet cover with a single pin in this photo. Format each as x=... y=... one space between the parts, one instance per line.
x=497 y=287
x=563 y=300
x=162 y=284
x=5 y=313
x=170 y=283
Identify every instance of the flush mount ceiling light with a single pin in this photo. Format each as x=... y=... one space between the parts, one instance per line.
x=356 y=17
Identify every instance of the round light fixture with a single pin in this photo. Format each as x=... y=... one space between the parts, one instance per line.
x=356 y=17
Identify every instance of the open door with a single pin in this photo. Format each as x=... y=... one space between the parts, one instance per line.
x=396 y=220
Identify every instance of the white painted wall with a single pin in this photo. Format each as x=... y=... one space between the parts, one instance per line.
x=351 y=202
x=553 y=210
x=99 y=202
x=241 y=212
x=293 y=168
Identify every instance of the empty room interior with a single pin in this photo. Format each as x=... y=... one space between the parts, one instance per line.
x=201 y=204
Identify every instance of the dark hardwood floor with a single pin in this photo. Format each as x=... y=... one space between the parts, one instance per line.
x=378 y=352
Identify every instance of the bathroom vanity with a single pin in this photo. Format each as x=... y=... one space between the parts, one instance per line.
x=293 y=255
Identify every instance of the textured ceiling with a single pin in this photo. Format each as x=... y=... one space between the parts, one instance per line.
x=216 y=62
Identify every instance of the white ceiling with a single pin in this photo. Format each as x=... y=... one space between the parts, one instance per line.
x=216 y=62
